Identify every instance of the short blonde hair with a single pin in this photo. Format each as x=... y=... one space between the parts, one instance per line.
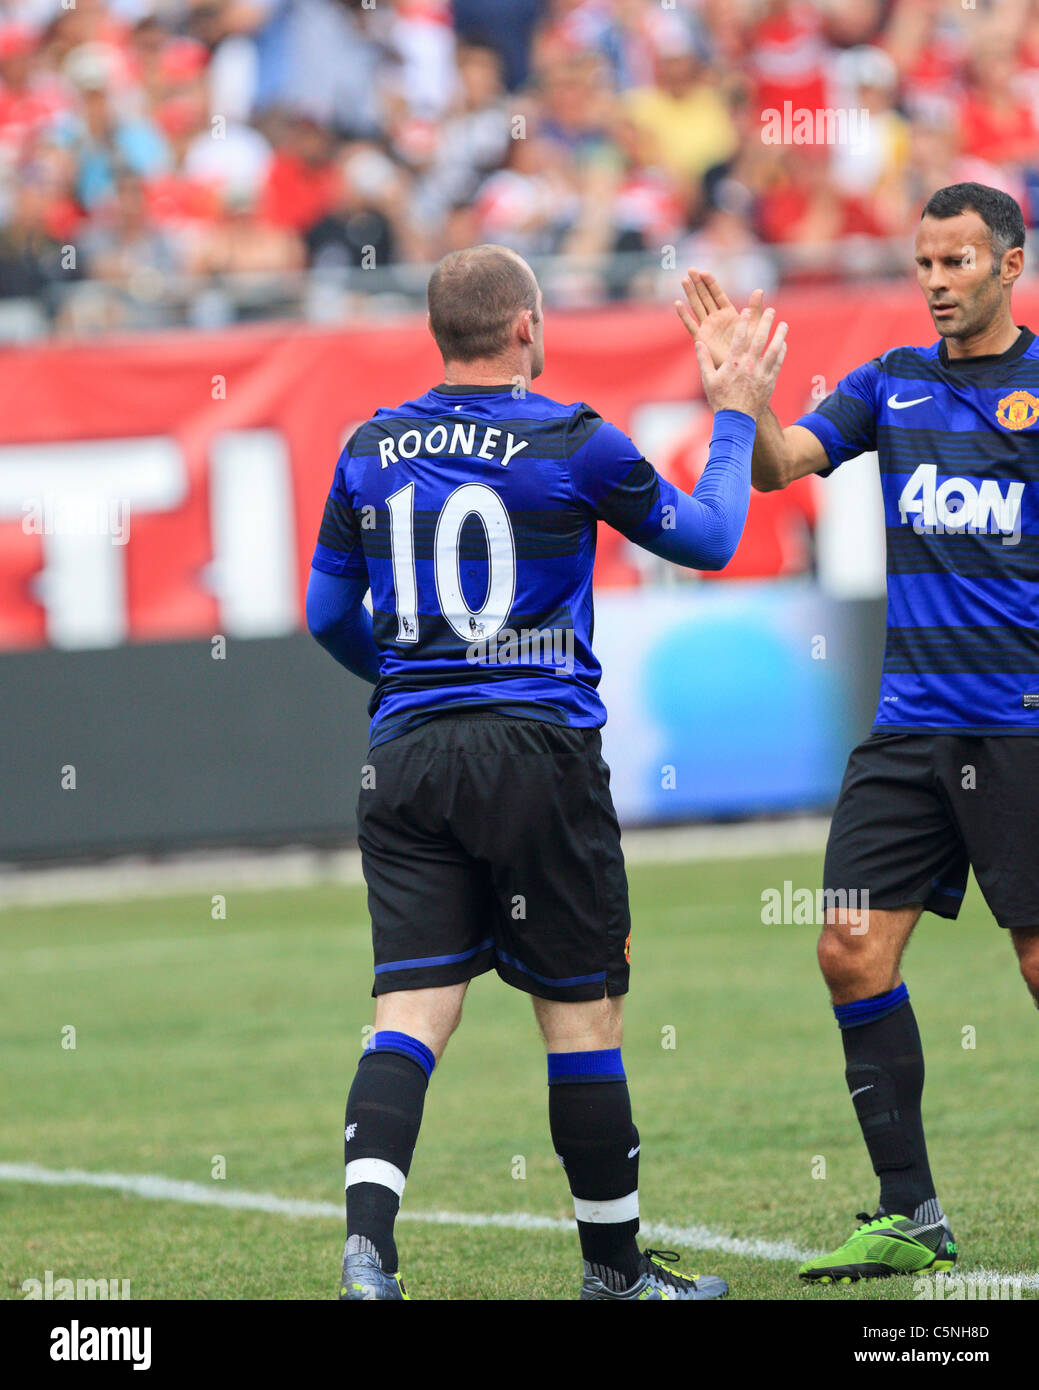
x=474 y=296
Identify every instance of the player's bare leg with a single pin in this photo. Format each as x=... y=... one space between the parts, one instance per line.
x=860 y=950
x=1026 y=944
x=598 y=1145
x=584 y=1027
x=383 y=1116
x=431 y=1015
x=860 y=954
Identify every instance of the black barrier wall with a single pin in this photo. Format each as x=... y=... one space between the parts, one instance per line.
x=170 y=749
x=159 y=748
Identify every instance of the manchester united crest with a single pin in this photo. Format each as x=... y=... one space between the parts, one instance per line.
x=1018 y=410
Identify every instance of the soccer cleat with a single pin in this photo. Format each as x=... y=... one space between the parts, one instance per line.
x=657 y=1281
x=365 y=1280
x=882 y=1246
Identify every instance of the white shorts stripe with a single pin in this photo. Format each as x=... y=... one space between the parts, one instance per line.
x=375 y=1170
x=607 y=1213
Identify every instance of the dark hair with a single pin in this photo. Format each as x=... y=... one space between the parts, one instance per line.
x=474 y=296
x=999 y=212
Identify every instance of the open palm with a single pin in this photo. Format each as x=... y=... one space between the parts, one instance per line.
x=710 y=315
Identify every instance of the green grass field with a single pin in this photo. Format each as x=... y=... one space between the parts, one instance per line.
x=197 y=1038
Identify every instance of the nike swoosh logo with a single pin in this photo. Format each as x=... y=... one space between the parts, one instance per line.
x=896 y=404
x=860 y=1091
x=634 y=1151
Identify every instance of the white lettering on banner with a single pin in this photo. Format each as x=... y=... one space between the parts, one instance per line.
x=73 y=493
x=254 y=540
x=82 y=585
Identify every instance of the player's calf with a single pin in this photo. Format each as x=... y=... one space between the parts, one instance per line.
x=595 y=1140
x=884 y=1070
x=598 y=1146
x=383 y=1117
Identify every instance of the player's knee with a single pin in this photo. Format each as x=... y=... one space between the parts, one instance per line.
x=835 y=954
x=847 y=960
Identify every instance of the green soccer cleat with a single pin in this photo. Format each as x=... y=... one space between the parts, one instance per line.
x=656 y=1281
x=882 y=1246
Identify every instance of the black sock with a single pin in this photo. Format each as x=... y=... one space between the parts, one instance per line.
x=383 y=1116
x=885 y=1075
x=597 y=1144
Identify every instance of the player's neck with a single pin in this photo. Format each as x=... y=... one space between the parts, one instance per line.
x=992 y=341
x=485 y=372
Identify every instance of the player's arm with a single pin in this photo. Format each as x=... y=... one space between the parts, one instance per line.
x=702 y=530
x=781 y=456
x=338 y=619
x=336 y=615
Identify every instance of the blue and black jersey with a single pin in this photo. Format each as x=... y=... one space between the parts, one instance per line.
x=958 y=445
x=471 y=515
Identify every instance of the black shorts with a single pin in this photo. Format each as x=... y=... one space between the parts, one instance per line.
x=917 y=811
x=492 y=842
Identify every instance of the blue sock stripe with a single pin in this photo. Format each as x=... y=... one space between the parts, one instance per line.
x=405 y=1046
x=862 y=1011
x=585 y=1066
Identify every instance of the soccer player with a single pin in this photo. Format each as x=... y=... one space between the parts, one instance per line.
x=947 y=779
x=487 y=831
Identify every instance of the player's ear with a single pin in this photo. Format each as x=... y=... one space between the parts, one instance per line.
x=1013 y=265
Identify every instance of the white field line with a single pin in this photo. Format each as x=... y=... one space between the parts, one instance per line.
x=155 y=1188
x=216 y=871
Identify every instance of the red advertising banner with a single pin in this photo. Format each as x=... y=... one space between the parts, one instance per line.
x=171 y=486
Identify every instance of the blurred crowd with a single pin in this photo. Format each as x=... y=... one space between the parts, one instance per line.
x=145 y=143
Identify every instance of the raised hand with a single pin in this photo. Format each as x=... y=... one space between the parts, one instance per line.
x=709 y=314
x=746 y=377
